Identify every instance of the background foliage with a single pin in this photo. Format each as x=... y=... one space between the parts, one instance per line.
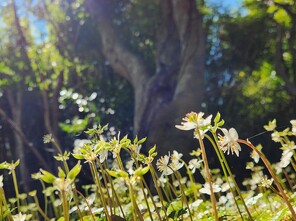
x=54 y=77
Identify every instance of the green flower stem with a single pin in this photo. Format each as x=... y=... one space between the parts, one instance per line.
x=224 y=164
x=45 y=198
x=106 y=184
x=98 y=183
x=232 y=177
x=151 y=197
x=158 y=190
x=205 y=160
x=43 y=214
x=191 y=178
x=268 y=166
x=177 y=175
x=120 y=164
x=89 y=208
x=3 y=205
x=142 y=183
x=66 y=167
x=65 y=206
x=134 y=204
x=117 y=199
x=55 y=209
x=16 y=189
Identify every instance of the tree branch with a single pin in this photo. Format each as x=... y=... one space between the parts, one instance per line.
x=121 y=59
x=23 y=137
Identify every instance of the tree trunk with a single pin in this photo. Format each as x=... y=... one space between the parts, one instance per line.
x=20 y=153
x=164 y=97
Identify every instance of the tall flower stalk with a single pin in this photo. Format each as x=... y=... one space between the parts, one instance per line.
x=201 y=126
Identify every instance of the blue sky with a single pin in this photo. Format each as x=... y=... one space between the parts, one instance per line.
x=229 y=4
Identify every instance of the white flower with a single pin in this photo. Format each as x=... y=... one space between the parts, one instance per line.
x=195 y=121
x=285 y=159
x=129 y=166
x=195 y=204
x=79 y=143
x=265 y=182
x=253 y=200
x=163 y=165
x=289 y=146
x=103 y=155
x=1 y=181
x=276 y=137
x=176 y=165
x=293 y=122
x=228 y=142
x=19 y=217
x=206 y=188
x=162 y=181
x=194 y=164
x=254 y=155
x=175 y=157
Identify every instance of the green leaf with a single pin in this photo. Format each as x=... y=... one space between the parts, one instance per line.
x=75 y=171
x=217 y=118
x=117 y=173
x=152 y=150
x=5 y=70
x=61 y=173
x=141 y=171
x=47 y=177
x=78 y=156
x=221 y=123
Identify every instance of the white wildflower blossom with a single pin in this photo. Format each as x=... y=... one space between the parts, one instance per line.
x=168 y=164
x=228 y=142
x=1 y=181
x=103 y=154
x=196 y=121
x=163 y=165
x=183 y=180
x=293 y=122
x=253 y=200
x=195 y=204
x=194 y=164
x=265 y=182
x=79 y=143
x=176 y=157
x=276 y=137
x=250 y=165
x=162 y=181
x=19 y=217
x=256 y=179
x=226 y=186
x=285 y=159
x=206 y=188
x=289 y=146
x=254 y=155
x=278 y=168
x=129 y=166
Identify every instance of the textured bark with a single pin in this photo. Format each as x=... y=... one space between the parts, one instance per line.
x=176 y=87
x=15 y=103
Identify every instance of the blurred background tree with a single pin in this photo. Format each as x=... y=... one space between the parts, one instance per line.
x=140 y=66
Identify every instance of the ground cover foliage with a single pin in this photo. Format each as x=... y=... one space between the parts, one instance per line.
x=118 y=190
